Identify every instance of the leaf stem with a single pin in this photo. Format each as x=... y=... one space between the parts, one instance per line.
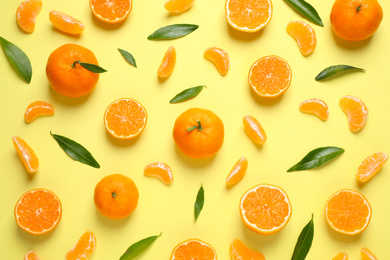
x=199 y=127
x=74 y=63
x=358 y=8
x=113 y=194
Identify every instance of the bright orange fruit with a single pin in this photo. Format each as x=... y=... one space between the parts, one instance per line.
x=254 y=129
x=356 y=110
x=248 y=15
x=305 y=36
x=65 y=22
x=26 y=154
x=31 y=255
x=178 y=6
x=219 y=57
x=371 y=166
x=341 y=256
x=27 y=13
x=125 y=118
x=367 y=254
x=111 y=11
x=37 y=109
x=265 y=209
x=38 y=211
x=168 y=63
x=348 y=212
x=239 y=251
x=238 y=171
x=270 y=76
x=315 y=106
x=159 y=170
x=84 y=248
x=192 y=249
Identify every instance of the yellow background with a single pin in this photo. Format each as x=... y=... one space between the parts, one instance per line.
x=169 y=209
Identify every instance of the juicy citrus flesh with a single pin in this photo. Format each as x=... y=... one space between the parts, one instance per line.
x=116 y=196
x=248 y=15
x=38 y=211
x=265 y=209
x=254 y=129
x=111 y=11
x=26 y=154
x=125 y=118
x=37 y=109
x=348 y=212
x=65 y=22
x=219 y=58
x=192 y=249
x=315 y=106
x=371 y=166
x=305 y=36
x=27 y=13
x=31 y=255
x=178 y=6
x=341 y=256
x=356 y=111
x=84 y=247
x=270 y=76
x=160 y=170
x=237 y=172
x=367 y=254
x=168 y=63
x=239 y=251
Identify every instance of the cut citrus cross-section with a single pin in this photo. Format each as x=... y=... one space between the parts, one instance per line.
x=371 y=166
x=315 y=106
x=237 y=172
x=84 y=248
x=254 y=130
x=111 y=11
x=168 y=63
x=356 y=110
x=178 y=6
x=159 y=170
x=367 y=254
x=65 y=22
x=31 y=255
x=193 y=249
x=27 y=13
x=305 y=36
x=239 y=251
x=341 y=256
x=37 y=109
x=26 y=154
x=219 y=57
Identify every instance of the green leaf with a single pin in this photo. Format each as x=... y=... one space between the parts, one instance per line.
x=88 y=66
x=304 y=242
x=173 y=31
x=127 y=55
x=76 y=151
x=316 y=158
x=332 y=70
x=137 y=248
x=199 y=202
x=187 y=94
x=18 y=59
x=306 y=10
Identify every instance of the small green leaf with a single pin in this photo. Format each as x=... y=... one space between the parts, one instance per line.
x=304 y=242
x=127 y=55
x=316 y=158
x=173 y=31
x=137 y=248
x=307 y=10
x=187 y=94
x=332 y=70
x=76 y=151
x=199 y=127
x=199 y=202
x=88 y=66
x=18 y=59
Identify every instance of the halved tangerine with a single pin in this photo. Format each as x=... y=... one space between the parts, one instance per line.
x=111 y=11
x=27 y=13
x=65 y=22
x=305 y=36
x=219 y=57
x=37 y=109
x=356 y=110
x=315 y=106
x=370 y=166
x=159 y=170
x=192 y=249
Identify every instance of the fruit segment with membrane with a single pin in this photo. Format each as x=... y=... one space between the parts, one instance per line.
x=193 y=249
x=27 y=13
x=178 y=6
x=238 y=171
x=254 y=129
x=356 y=111
x=168 y=63
x=371 y=166
x=367 y=254
x=159 y=170
x=84 y=247
x=341 y=256
x=65 y=22
x=111 y=11
x=239 y=251
x=305 y=36
x=37 y=109
x=31 y=255
x=26 y=154
x=219 y=57
x=315 y=106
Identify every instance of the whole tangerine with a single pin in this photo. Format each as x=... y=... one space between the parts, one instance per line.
x=198 y=133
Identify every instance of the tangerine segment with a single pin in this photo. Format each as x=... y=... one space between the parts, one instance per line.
x=178 y=6
x=348 y=212
x=84 y=248
x=341 y=256
x=159 y=170
x=111 y=11
x=305 y=36
x=125 y=118
x=315 y=106
x=265 y=209
x=26 y=154
x=238 y=171
x=65 y=23
x=219 y=57
x=254 y=129
x=356 y=110
x=27 y=13
x=270 y=76
x=367 y=254
x=38 y=211
x=239 y=251
x=371 y=166
x=31 y=255
x=168 y=63
x=193 y=249
x=248 y=15
x=37 y=109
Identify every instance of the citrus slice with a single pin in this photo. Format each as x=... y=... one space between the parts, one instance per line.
x=65 y=22
x=27 y=13
x=37 y=109
x=341 y=256
x=254 y=130
x=305 y=36
x=159 y=170
x=84 y=248
x=38 y=211
x=26 y=154
x=237 y=172
x=178 y=6
x=367 y=254
x=248 y=15
x=193 y=249
x=125 y=118
x=270 y=76
x=315 y=106
x=371 y=166
x=239 y=251
x=265 y=209
x=348 y=212
x=31 y=255
x=219 y=57
x=111 y=11
x=356 y=110
x=168 y=63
